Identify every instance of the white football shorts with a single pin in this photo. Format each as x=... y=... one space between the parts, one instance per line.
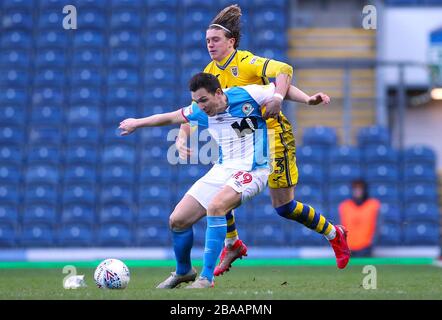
x=248 y=183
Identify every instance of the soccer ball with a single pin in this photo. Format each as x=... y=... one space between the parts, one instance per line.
x=112 y=274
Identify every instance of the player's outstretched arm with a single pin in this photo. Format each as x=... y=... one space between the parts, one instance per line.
x=181 y=142
x=297 y=95
x=129 y=125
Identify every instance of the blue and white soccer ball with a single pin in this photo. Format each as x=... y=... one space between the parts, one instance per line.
x=112 y=274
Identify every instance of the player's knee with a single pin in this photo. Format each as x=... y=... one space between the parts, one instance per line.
x=177 y=223
x=216 y=208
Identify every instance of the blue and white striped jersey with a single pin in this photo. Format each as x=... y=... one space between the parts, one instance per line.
x=240 y=131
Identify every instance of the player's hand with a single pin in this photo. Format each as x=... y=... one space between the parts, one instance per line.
x=128 y=126
x=318 y=98
x=273 y=108
x=183 y=150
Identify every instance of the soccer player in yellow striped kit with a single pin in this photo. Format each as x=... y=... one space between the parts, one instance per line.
x=235 y=67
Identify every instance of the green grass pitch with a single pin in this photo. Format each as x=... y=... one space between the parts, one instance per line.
x=244 y=281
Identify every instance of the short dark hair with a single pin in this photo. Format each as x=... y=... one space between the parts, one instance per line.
x=204 y=80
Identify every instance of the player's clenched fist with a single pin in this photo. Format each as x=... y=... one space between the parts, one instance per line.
x=318 y=98
x=128 y=126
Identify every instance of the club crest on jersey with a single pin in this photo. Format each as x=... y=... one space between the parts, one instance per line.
x=234 y=71
x=247 y=109
x=253 y=60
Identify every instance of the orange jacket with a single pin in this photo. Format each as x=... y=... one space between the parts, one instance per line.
x=360 y=222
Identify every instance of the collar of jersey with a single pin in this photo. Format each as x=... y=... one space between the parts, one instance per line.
x=229 y=59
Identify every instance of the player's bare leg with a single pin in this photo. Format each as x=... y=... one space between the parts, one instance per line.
x=225 y=200
x=186 y=213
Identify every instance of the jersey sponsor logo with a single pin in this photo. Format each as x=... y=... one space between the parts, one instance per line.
x=234 y=71
x=247 y=109
x=253 y=60
x=245 y=127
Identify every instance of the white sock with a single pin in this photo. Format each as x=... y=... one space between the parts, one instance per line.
x=228 y=242
x=332 y=234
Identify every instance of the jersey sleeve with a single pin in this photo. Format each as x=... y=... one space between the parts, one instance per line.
x=194 y=116
x=262 y=94
x=263 y=67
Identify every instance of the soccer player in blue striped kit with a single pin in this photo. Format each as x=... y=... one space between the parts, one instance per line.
x=234 y=120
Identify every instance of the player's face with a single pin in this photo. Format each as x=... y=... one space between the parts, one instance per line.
x=218 y=45
x=209 y=103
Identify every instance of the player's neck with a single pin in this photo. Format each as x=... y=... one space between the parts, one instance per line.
x=224 y=104
x=226 y=57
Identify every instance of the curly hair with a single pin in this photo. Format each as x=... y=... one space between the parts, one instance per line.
x=229 y=20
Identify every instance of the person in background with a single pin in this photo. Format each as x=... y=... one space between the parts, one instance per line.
x=359 y=215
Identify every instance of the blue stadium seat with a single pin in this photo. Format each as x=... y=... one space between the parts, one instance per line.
x=165 y=38
x=421 y=234
x=155 y=191
x=267 y=37
x=312 y=192
x=199 y=233
x=78 y=213
x=161 y=18
x=279 y=54
x=153 y=154
x=157 y=172
x=122 y=95
x=325 y=136
x=44 y=154
x=420 y=154
x=113 y=135
x=42 y=173
x=126 y=19
x=9 y=214
x=117 y=213
x=309 y=154
x=118 y=172
x=271 y=233
x=40 y=134
x=27 y=5
x=114 y=235
x=123 y=77
x=162 y=4
x=50 y=58
x=155 y=134
x=51 y=18
x=37 y=235
x=197 y=18
x=275 y=4
x=186 y=74
x=88 y=57
x=15 y=115
x=344 y=172
x=16 y=39
x=380 y=154
x=41 y=193
x=195 y=57
x=13 y=96
x=14 y=56
x=40 y=212
x=9 y=193
x=14 y=77
x=84 y=114
x=78 y=173
x=16 y=19
x=419 y=172
x=45 y=96
x=92 y=19
x=119 y=153
x=121 y=193
x=8 y=235
x=88 y=39
x=382 y=173
x=345 y=154
x=52 y=39
x=385 y=191
x=76 y=235
x=422 y=212
x=300 y=235
x=153 y=234
x=47 y=114
x=191 y=172
x=86 y=95
x=12 y=154
x=10 y=173
x=420 y=192
x=389 y=234
x=195 y=37
x=163 y=76
x=154 y=211
x=338 y=192
x=158 y=95
x=311 y=173
x=190 y=5
x=89 y=4
x=12 y=135
x=114 y=114
x=82 y=134
x=264 y=211
x=81 y=154
x=84 y=77
x=49 y=77
x=163 y=57
x=124 y=57
x=79 y=193
x=269 y=18
x=125 y=39
x=390 y=212
x=374 y=135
